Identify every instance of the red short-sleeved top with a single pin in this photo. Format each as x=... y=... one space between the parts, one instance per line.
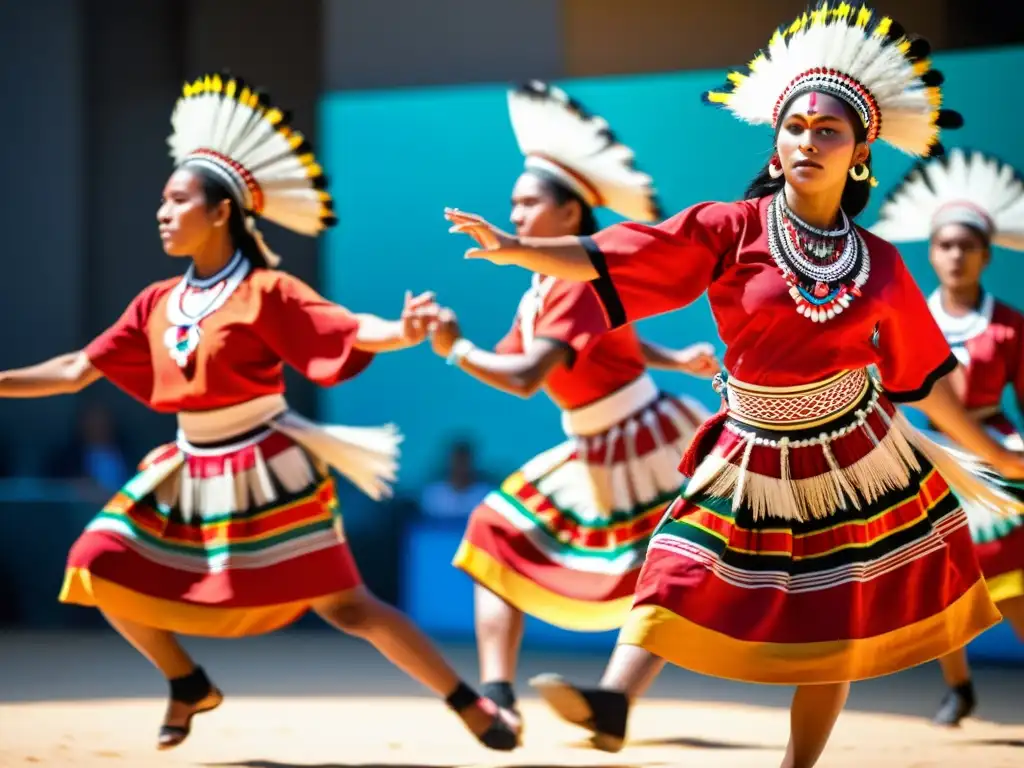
x=722 y=248
x=989 y=343
x=272 y=318
x=569 y=313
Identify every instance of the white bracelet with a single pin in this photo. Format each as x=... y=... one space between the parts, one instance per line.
x=460 y=349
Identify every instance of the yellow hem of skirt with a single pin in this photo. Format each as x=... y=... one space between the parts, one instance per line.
x=83 y=588
x=705 y=651
x=1006 y=586
x=534 y=600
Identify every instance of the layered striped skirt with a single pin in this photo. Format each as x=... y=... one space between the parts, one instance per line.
x=815 y=542
x=232 y=537
x=564 y=536
x=998 y=534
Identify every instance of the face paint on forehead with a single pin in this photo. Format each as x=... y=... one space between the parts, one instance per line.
x=812 y=103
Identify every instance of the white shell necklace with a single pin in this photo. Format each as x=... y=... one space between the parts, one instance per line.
x=183 y=337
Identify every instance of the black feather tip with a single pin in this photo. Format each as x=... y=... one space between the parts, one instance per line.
x=949 y=119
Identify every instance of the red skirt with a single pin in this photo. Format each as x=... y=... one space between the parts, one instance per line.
x=564 y=536
x=815 y=543
x=224 y=542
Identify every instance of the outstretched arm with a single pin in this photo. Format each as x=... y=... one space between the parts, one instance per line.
x=636 y=270
x=562 y=257
x=379 y=335
x=945 y=410
x=696 y=359
x=520 y=374
x=62 y=375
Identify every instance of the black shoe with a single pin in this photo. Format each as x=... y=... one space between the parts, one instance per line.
x=499 y=735
x=196 y=690
x=957 y=704
x=603 y=713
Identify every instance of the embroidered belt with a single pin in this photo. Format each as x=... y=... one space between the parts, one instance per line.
x=800 y=407
x=602 y=415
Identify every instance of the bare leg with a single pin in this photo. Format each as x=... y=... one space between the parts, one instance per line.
x=359 y=613
x=812 y=716
x=631 y=670
x=499 y=634
x=955 y=669
x=164 y=652
x=158 y=645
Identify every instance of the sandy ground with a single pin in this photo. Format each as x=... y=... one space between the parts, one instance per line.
x=315 y=700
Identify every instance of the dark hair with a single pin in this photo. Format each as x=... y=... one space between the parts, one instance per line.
x=562 y=194
x=855 y=194
x=215 y=191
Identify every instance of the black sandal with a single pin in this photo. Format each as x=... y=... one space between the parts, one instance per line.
x=603 y=713
x=957 y=704
x=194 y=689
x=504 y=697
x=499 y=735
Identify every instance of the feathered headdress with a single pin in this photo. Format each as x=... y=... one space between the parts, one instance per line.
x=964 y=187
x=232 y=130
x=560 y=138
x=857 y=55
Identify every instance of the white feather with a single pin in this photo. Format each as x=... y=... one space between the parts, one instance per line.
x=834 y=41
x=206 y=118
x=961 y=177
x=547 y=123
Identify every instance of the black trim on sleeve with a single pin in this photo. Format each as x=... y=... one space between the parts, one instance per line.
x=570 y=361
x=603 y=284
x=914 y=395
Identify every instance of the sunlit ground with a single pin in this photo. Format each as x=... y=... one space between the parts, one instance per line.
x=316 y=699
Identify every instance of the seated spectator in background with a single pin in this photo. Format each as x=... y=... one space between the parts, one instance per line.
x=461 y=490
x=94 y=456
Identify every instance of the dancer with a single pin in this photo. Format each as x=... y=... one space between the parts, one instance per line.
x=234 y=529
x=564 y=536
x=817 y=541
x=962 y=205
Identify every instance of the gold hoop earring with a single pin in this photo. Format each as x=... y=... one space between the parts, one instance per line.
x=860 y=172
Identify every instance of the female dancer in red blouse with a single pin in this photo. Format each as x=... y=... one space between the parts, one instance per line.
x=564 y=536
x=817 y=540
x=233 y=529
x=962 y=205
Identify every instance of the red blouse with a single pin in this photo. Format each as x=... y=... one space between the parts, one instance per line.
x=989 y=343
x=569 y=313
x=722 y=248
x=272 y=318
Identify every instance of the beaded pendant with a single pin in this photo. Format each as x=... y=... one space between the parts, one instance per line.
x=825 y=270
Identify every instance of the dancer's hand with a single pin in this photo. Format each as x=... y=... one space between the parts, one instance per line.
x=494 y=243
x=419 y=313
x=699 y=360
x=445 y=332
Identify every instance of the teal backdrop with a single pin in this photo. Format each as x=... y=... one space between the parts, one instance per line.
x=396 y=158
